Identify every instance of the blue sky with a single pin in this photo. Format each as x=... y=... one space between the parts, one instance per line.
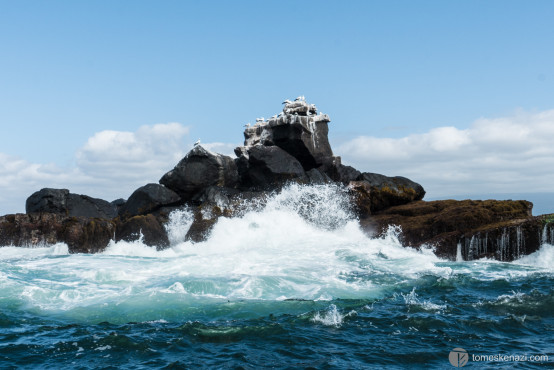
x=390 y=74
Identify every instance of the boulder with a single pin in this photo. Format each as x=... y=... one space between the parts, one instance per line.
x=268 y=166
x=61 y=201
x=198 y=170
x=81 y=234
x=387 y=191
x=147 y=199
x=146 y=226
x=340 y=172
x=218 y=196
x=316 y=176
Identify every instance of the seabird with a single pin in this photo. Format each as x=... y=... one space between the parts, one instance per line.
x=301 y=97
x=247 y=125
x=286 y=102
x=197 y=142
x=260 y=119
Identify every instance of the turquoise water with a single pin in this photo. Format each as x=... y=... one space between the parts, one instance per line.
x=292 y=283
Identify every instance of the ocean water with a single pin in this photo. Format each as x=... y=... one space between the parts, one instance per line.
x=292 y=283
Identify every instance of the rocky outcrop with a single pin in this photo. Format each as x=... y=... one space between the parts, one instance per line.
x=503 y=230
x=299 y=131
x=81 y=234
x=144 y=227
x=289 y=147
x=147 y=199
x=198 y=170
x=385 y=192
x=61 y=201
x=268 y=166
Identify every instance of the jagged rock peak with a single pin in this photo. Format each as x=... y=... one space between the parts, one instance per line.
x=299 y=130
x=199 y=169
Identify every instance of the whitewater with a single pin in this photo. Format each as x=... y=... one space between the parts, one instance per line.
x=293 y=281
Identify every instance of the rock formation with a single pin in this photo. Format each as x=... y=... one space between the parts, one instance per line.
x=292 y=146
x=61 y=201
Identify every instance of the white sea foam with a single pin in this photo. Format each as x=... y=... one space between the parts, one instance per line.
x=543 y=258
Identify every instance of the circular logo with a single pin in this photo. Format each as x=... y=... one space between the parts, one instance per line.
x=458 y=357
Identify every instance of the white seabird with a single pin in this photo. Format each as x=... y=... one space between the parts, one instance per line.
x=260 y=119
x=286 y=102
x=247 y=125
x=197 y=142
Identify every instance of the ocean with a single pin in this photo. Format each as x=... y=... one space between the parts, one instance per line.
x=291 y=283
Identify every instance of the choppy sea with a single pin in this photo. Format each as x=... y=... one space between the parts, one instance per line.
x=291 y=283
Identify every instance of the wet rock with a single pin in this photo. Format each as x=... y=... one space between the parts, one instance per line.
x=316 y=176
x=198 y=170
x=205 y=217
x=61 y=201
x=147 y=199
x=146 y=226
x=269 y=166
x=217 y=196
x=361 y=197
x=443 y=224
x=82 y=235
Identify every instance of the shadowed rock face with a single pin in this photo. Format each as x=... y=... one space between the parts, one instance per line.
x=147 y=199
x=267 y=166
x=61 y=201
x=146 y=226
x=198 y=170
x=303 y=137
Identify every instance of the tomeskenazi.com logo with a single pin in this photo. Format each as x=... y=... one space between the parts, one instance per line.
x=458 y=357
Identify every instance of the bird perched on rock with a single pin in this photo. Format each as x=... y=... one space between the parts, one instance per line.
x=260 y=119
x=286 y=102
x=197 y=142
x=301 y=97
x=247 y=125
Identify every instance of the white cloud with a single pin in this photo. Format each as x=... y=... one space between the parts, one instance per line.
x=508 y=154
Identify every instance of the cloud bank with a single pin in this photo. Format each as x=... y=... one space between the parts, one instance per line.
x=110 y=165
x=501 y=155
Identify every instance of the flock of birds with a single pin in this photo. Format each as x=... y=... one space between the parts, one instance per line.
x=262 y=119
x=287 y=101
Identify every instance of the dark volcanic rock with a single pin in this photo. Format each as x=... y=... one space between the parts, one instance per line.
x=316 y=176
x=390 y=191
x=303 y=137
x=218 y=196
x=341 y=173
x=82 y=235
x=269 y=166
x=152 y=231
x=198 y=170
x=205 y=217
x=118 y=204
x=61 y=201
x=443 y=224
x=148 y=199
